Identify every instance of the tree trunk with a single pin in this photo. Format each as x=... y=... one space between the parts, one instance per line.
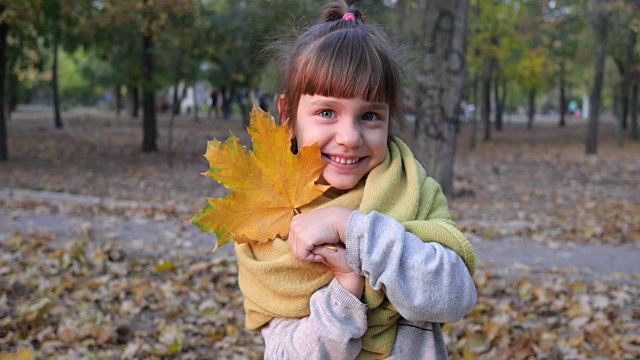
x=474 y=116
x=563 y=96
x=626 y=79
x=634 y=113
x=223 y=104
x=244 y=102
x=172 y=119
x=503 y=99
x=227 y=98
x=4 y=31
x=118 y=91
x=54 y=84
x=439 y=87
x=183 y=95
x=175 y=103
x=496 y=100
x=486 y=101
x=148 y=94
x=195 y=102
x=617 y=104
x=12 y=88
x=133 y=100
x=594 y=112
x=617 y=111
x=476 y=85
x=531 y=112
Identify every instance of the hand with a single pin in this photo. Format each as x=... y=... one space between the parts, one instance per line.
x=317 y=227
x=336 y=261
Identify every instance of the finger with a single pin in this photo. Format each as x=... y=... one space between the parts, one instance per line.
x=299 y=251
x=309 y=257
x=318 y=258
x=292 y=243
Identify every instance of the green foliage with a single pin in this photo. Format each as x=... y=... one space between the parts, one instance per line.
x=239 y=33
x=23 y=55
x=226 y=42
x=73 y=84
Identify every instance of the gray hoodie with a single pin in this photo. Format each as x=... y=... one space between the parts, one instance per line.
x=427 y=283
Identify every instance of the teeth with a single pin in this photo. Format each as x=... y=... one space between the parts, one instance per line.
x=344 y=161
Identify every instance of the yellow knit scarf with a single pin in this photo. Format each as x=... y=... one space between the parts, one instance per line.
x=277 y=285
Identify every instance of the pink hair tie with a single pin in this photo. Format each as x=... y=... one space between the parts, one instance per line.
x=350 y=16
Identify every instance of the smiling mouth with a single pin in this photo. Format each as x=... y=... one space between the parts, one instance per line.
x=341 y=160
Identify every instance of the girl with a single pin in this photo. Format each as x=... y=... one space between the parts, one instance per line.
x=372 y=268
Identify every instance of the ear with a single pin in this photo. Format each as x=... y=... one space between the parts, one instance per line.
x=282 y=108
x=281 y=103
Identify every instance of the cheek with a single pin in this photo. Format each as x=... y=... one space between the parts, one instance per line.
x=307 y=135
x=379 y=144
x=379 y=158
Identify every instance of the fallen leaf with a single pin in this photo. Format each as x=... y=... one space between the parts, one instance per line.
x=132 y=349
x=67 y=334
x=21 y=354
x=173 y=338
x=165 y=265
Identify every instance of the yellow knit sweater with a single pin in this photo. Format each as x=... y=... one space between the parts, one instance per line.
x=277 y=285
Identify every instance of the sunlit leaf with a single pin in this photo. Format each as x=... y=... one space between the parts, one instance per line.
x=267 y=184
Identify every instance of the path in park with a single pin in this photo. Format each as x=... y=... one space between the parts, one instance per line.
x=175 y=237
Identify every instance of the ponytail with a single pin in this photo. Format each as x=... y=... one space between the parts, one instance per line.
x=338 y=10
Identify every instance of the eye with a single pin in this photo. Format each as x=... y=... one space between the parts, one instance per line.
x=326 y=113
x=370 y=116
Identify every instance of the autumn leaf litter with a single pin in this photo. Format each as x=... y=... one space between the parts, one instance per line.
x=86 y=298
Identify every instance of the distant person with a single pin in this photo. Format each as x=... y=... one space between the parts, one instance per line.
x=573 y=109
x=375 y=266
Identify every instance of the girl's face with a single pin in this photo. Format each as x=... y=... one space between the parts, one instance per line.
x=351 y=133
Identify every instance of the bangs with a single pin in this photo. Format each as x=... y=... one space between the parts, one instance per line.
x=345 y=64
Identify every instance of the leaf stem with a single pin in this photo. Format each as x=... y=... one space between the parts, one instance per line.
x=335 y=249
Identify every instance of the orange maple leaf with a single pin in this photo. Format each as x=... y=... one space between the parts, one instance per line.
x=267 y=184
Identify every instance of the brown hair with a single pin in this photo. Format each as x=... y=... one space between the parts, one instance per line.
x=340 y=58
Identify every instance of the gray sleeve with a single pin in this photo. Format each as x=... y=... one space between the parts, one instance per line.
x=425 y=281
x=332 y=331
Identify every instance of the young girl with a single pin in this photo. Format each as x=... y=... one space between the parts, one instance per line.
x=372 y=268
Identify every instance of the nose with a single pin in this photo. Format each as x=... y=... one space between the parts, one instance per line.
x=349 y=134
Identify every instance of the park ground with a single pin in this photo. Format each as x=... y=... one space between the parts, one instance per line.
x=97 y=261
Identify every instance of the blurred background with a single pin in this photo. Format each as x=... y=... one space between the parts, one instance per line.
x=525 y=111
x=513 y=61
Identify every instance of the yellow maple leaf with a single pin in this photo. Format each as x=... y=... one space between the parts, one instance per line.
x=267 y=184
